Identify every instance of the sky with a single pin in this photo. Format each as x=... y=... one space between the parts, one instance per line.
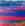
x=13 y=0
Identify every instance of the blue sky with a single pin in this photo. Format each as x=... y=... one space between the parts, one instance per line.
x=15 y=0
